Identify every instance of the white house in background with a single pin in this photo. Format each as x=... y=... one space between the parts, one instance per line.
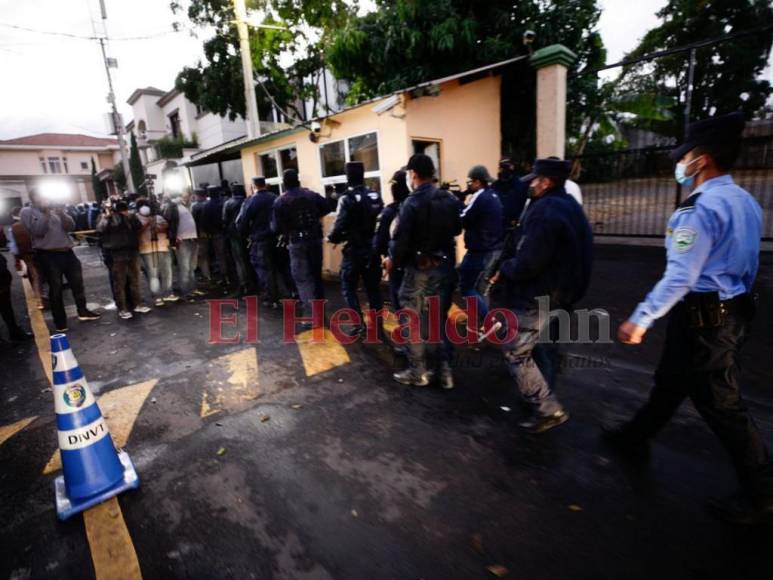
x=170 y=128
x=31 y=161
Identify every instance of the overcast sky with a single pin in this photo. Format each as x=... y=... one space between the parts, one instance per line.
x=56 y=83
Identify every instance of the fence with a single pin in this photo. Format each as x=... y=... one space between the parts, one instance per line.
x=633 y=192
x=621 y=154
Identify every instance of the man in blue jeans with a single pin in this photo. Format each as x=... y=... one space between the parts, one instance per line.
x=548 y=266
x=483 y=238
x=297 y=217
x=423 y=245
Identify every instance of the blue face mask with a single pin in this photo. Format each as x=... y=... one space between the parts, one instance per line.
x=680 y=173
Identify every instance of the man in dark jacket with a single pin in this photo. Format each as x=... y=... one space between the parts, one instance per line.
x=512 y=192
x=355 y=224
x=547 y=268
x=383 y=234
x=236 y=242
x=120 y=237
x=203 y=241
x=254 y=223
x=423 y=245
x=15 y=332
x=297 y=217
x=212 y=223
x=483 y=238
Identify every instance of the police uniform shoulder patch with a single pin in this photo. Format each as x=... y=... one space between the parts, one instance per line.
x=683 y=239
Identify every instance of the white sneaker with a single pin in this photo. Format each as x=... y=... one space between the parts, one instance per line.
x=171 y=298
x=125 y=314
x=159 y=302
x=141 y=309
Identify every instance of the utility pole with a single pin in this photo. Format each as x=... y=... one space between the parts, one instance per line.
x=251 y=109
x=117 y=121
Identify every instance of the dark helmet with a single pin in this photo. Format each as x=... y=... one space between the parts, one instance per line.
x=480 y=173
x=399 y=187
x=355 y=173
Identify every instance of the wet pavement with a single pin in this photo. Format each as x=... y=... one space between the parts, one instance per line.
x=289 y=461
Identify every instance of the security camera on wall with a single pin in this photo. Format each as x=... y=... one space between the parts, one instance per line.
x=316 y=129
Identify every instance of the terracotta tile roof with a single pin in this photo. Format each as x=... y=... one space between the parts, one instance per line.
x=61 y=140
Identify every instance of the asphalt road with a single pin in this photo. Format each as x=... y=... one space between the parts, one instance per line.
x=288 y=461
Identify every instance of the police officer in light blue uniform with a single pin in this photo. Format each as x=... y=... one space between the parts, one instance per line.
x=712 y=244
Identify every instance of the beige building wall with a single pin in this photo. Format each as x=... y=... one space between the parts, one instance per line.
x=465 y=118
x=20 y=162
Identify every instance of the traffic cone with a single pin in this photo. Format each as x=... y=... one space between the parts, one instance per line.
x=94 y=470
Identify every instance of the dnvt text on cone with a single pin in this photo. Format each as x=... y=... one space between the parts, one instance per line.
x=94 y=470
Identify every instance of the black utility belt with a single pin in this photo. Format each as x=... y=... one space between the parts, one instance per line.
x=706 y=310
x=429 y=260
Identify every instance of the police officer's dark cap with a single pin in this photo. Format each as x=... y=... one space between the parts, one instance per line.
x=480 y=173
x=713 y=131
x=213 y=190
x=259 y=181
x=355 y=173
x=398 y=176
x=237 y=189
x=550 y=167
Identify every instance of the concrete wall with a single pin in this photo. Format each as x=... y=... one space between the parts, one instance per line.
x=187 y=115
x=145 y=108
x=20 y=162
x=212 y=130
x=465 y=118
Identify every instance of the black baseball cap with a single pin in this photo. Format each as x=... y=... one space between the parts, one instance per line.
x=713 y=131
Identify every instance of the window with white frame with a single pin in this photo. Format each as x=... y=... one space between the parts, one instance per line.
x=54 y=165
x=333 y=157
x=43 y=164
x=273 y=163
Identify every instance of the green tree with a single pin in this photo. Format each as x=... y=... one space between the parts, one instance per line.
x=119 y=177
x=216 y=82
x=727 y=76
x=405 y=42
x=100 y=187
x=135 y=166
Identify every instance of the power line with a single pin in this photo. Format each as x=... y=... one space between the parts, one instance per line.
x=83 y=37
x=676 y=50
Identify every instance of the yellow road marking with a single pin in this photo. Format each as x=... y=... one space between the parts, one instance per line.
x=8 y=431
x=320 y=351
x=111 y=546
x=120 y=408
x=39 y=329
x=242 y=370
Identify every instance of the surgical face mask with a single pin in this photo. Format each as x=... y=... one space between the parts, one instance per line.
x=145 y=211
x=680 y=173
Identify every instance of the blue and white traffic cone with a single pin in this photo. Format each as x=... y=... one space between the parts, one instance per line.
x=94 y=470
